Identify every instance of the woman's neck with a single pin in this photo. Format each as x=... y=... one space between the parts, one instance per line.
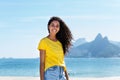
x=52 y=37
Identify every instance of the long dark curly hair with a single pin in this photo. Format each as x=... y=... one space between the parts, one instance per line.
x=64 y=35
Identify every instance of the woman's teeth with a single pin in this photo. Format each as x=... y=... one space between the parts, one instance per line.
x=54 y=30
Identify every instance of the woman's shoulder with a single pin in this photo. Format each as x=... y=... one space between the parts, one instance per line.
x=43 y=39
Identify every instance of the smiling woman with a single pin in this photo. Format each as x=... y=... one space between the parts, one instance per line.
x=52 y=50
x=22 y=24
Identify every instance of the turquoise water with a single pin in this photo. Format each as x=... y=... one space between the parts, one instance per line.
x=80 y=67
x=96 y=67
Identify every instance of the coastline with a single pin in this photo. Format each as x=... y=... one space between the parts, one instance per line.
x=71 y=78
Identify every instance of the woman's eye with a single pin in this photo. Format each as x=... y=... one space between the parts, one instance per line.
x=52 y=25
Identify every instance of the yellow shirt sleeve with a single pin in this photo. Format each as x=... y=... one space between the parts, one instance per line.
x=42 y=45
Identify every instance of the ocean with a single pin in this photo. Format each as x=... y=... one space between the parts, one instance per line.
x=77 y=67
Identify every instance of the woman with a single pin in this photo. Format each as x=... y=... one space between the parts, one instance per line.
x=53 y=49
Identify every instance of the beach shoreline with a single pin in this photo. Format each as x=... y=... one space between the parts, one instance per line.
x=71 y=78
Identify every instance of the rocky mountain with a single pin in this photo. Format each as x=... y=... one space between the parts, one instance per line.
x=100 y=47
x=79 y=41
x=116 y=43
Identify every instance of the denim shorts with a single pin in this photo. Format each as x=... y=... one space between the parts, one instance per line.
x=54 y=73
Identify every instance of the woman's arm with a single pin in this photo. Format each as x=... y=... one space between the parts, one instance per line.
x=42 y=64
x=66 y=75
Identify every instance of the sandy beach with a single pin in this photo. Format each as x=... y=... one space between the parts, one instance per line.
x=71 y=78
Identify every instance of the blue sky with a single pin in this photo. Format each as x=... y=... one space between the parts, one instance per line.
x=24 y=22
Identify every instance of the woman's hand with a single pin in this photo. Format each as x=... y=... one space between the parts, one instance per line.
x=66 y=75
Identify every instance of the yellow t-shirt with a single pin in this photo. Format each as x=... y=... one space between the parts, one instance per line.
x=54 y=53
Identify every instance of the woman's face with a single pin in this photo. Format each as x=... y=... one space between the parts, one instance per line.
x=54 y=27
